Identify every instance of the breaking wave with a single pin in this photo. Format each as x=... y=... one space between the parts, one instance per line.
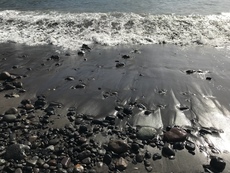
x=71 y=30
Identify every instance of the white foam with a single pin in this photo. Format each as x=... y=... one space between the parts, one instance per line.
x=71 y=30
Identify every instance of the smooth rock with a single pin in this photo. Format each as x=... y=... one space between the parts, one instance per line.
x=120 y=64
x=140 y=157
x=175 y=134
x=190 y=146
x=5 y=75
x=78 y=168
x=12 y=110
x=121 y=164
x=156 y=156
x=9 y=118
x=145 y=133
x=167 y=151
x=118 y=146
x=16 y=151
x=218 y=164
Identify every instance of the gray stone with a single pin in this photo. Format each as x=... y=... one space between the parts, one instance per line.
x=9 y=118
x=12 y=110
x=121 y=164
x=118 y=146
x=145 y=133
x=5 y=75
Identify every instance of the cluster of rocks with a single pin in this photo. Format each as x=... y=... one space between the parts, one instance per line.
x=11 y=82
x=28 y=144
x=190 y=71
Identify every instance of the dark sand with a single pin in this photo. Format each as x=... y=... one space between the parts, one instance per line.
x=154 y=76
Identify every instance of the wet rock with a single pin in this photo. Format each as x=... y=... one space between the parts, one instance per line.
x=5 y=75
x=120 y=64
x=85 y=47
x=29 y=106
x=32 y=161
x=18 y=84
x=78 y=168
x=9 y=118
x=178 y=145
x=140 y=157
x=80 y=86
x=135 y=147
x=167 y=151
x=121 y=164
x=107 y=158
x=156 y=156
x=84 y=154
x=69 y=78
x=190 y=71
x=55 y=57
x=145 y=133
x=15 y=151
x=218 y=164
x=190 y=146
x=175 y=134
x=81 y=52
x=208 y=78
x=149 y=168
x=128 y=111
x=12 y=110
x=118 y=146
x=83 y=129
x=125 y=56
x=9 y=86
x=148 y=155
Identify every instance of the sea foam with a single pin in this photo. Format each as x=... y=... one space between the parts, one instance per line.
x=71 y=30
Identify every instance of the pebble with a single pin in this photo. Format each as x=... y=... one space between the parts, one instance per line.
x=149 y=168
x=69 y=78
x=190 y=146
x=55 y=57
x=145 y=133
x=80 y=86
x=156 y=156
x=78 y=168
x=120 y=64
x=121 y=164
x=167 y=151
x=9 y=118
x=5 y=75
x=12 y=110
x=15 y=151
x=218 y=164
x=118 y=146
x=140 y=157
x=175 y=134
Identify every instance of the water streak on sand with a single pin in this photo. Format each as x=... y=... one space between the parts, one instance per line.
x=70 y=30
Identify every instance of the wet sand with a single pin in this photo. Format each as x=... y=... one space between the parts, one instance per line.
x=162 y=85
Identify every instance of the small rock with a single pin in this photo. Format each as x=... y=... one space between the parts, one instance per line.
x=167 y=151
x=81 y=52
x=5 y=75
x=80 y=86
x=18 y=170
x=16 y=151
x=9 y=118
x=78 y=168
x=12 y=110
x=86 y=161
x=218 y=164
x=178 y=145
x=69 y=78
x=85 y=47
x=84 y=154
x=145 y=133
x=156 y=156
x=175 y=134
x=121 y=164
x=190 y=71
x=149 y=168
x=190 y=146
x=140 y=157
x=18 y=84
x=55 y=57
x=128 y=111
x=120 y=64
x=107 y=159
x=125 y=56
x=118 y=146
x=208 y=78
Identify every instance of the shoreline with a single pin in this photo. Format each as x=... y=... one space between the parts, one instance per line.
x=112 y=92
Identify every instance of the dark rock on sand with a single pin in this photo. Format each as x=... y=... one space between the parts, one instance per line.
x=118 y=146
x=85 y=47
x=69 y=78
x=218 y=164
x=140 y=157
x=156 y=156
x=5 y=75
x=190 y=146
x=175 y=134
x=18 y=84
x=125 y=56
x=15 y=152
x=167 y=151
x=12 y=110
x=80 y=86
x=81 y=52
x=55 y=57
x=149 y=168
x=107 y=158
x=145 y=133
x=178 y=145
x=9 y=118
x=121 y=164
x=120 y=64
x=190 y=71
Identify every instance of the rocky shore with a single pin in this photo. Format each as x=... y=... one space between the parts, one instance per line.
x=123 y=109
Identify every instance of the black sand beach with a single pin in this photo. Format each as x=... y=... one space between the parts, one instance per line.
x=73 y=106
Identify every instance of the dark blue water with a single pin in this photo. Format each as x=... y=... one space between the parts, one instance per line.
x=136 y=6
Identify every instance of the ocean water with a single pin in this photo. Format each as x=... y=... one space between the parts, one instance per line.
x=70 y=23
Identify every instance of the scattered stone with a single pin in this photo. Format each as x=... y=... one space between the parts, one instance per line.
x=149 y=168
x=128 y=111
x=208 y=78
x=81 y=52
x=80 y=86
x=85 y=47
x=5 y=75
x=55 y=57
x=178 y=145
x=175 y=134
x=69 y=78
x=16 y=152
x=118 y=146
x=120 y=64
x=190 y=71
x=84 y=154
x=18 y=84
x=121 y=164
x=145 y=133
x=190 y=146
x=125 y=56
x=156 y=156
x=12 y=110
x=167 y=151
x=218 y=164
x=9 y=118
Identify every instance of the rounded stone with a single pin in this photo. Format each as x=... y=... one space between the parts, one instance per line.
x=9 y=118
x=145 y=133
x=118 y=146
x=218 y=164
